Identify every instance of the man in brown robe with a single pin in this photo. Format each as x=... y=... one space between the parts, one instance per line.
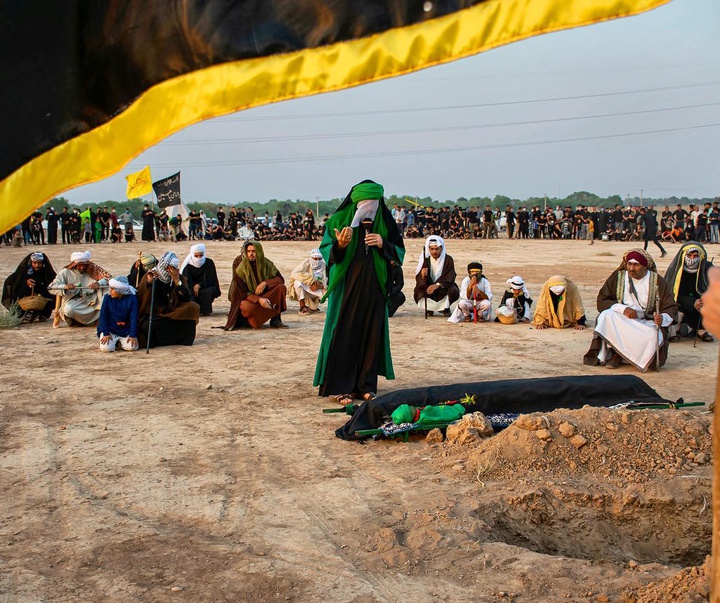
x=636 y=308
x=257 y=293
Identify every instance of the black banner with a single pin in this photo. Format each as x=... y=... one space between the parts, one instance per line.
x=168 y=191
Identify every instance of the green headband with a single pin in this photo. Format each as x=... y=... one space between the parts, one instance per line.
x=366 y=190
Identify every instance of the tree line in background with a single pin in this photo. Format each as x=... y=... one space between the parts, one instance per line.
x=320 y=208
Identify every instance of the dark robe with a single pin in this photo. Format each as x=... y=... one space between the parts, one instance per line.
x=206 y=277
x=16 y=287
x=148 y=231
x=446 y=281
x=363 y=310
x=608 y=297
x=175 y=317
x=355 y=347
x=396 y=297
x=688 y=287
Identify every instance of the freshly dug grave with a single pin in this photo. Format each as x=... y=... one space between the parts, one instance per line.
x=624 y=486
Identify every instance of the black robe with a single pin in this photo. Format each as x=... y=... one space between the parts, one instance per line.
x=148 y=231
x=446 y=280
x=361 y=326
x=207 y=278
x=16 y=287
x=396 y=297
x=175 y=317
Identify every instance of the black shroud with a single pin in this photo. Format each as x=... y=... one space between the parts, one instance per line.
x=509 y=396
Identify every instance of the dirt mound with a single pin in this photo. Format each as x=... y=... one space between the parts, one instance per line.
x=691 y=585
x=624 y=446
x=597 y=484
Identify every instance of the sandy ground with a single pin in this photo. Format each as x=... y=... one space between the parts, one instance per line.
x=209 y=473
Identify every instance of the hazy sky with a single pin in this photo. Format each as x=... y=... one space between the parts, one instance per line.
x=614 y=108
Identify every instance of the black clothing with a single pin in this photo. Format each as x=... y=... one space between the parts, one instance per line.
x=395 y=286
x=148 y=231
x=446 y=280
x=361 y=326
x=16 y=287
x=206 y=277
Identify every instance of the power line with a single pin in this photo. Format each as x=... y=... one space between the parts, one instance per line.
x=425 y=151
x=472 y=106
x=424 y=130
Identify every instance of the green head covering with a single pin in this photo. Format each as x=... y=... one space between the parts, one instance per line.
x=264 y=268
x=403 y=414
x=366 y=190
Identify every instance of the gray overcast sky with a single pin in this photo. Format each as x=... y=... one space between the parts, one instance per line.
x=648 y=119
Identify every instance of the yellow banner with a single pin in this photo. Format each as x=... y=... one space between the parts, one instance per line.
x=139 y=183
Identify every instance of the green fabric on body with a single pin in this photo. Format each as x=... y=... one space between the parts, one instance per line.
x=336 y=281
x=441 y=414
x=403 y=414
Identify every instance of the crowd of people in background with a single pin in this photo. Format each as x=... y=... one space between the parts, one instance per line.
x=619 y=223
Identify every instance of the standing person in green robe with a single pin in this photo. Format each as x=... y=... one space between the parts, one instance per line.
x=360 y=240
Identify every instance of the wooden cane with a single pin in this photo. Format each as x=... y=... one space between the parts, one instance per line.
x=137 y=276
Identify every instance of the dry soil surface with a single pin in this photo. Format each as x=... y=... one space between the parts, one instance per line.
x=209 y=473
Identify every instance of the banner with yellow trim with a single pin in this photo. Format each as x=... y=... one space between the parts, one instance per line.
x=111 y=78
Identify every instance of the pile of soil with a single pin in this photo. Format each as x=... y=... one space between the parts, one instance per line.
x=631 y=487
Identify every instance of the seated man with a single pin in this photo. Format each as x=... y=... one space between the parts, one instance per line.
x=118 y=323
x=636 y=307
x=202 y=279
x=475 y=303
x=396 y=281
x=79 y=287
x=145 y=262
x=687 y=276
x=435 y=278
x=32 y=276
x=308 y=282
x=174 y=315
x=517 y=299
x=559 y=305
x=257 y=293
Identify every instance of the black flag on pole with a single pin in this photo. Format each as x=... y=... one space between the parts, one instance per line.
x=168 y=191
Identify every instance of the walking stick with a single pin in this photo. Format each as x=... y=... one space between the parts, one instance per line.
x=137 y=275
x=425 y=280
x=474 y=306
x=657 y=339
x=152 y=304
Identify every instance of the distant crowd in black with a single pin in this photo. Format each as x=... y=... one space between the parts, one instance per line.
x=589 y=223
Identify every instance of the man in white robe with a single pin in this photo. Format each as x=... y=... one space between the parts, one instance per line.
x=308 y=282
x=80 y=288
x=475 y=303
x=636 y=307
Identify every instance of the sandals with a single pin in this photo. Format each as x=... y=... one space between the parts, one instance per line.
x=304 y=310
x=343 y=399
x=369 y=396
x=706 y=337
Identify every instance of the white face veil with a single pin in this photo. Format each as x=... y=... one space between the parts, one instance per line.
x=192 y=260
